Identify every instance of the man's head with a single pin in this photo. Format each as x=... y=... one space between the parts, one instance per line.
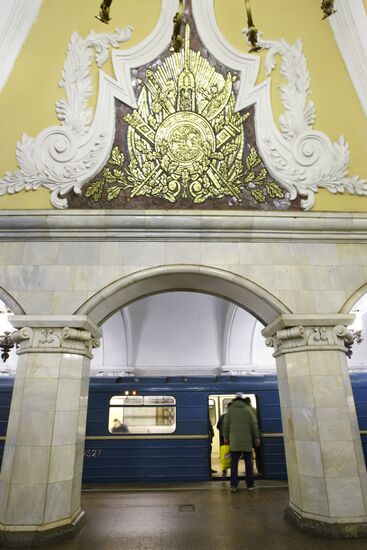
x=239 y=395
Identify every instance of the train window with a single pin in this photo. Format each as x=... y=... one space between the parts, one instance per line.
x=138 y=414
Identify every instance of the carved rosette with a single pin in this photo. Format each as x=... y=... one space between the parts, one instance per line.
x=55 y=340
x=311 y=338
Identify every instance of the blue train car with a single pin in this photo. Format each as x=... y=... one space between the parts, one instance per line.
x=6 y=391
x=175 y=446
x=183 y=454
x=359 y=387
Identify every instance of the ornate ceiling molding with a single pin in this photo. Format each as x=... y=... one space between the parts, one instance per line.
x=122 y=225
x=349 y=25
x=64 y=158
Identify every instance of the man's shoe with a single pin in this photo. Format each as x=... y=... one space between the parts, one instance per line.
x=234 y=489
x=251 y=489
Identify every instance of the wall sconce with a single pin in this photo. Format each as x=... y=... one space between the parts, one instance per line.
x=6 y=328
x=6 y=345
x=251 y=31
x=355 y=338
x=327 y=7
x=104 y=12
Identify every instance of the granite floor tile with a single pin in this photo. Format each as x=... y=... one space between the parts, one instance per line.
x=204 y=516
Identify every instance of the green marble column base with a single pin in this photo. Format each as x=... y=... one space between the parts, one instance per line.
x=34 y=539
x=324 y=529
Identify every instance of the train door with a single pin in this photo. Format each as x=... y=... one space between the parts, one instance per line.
x=218 y=405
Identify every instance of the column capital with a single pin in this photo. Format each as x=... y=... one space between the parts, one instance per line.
x=74 y=334
x=309 y=332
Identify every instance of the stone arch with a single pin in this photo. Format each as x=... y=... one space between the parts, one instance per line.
x=353 y=299
x=11 y=302
x=194 y=278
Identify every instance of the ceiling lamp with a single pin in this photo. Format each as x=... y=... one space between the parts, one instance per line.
x=104 y=12
x=327 y=7
x=251 y=31
x=176 y=41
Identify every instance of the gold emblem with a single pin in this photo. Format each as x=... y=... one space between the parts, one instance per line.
x=185 y=139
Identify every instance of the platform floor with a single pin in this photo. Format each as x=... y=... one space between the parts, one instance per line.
x=203 y=516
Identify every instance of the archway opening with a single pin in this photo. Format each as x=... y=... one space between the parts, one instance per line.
x=218 y=282
x=182 y=333
x=196 y=351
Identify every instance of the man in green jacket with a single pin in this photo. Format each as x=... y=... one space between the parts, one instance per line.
x=240 y=431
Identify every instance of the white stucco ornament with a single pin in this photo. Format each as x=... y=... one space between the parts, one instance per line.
x=301 y=158
x=66 y=157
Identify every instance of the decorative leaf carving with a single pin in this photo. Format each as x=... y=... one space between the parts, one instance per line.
x=117 y=157
x=94 y=190
x=58 y=157
x=113 y=192
x=310 y=160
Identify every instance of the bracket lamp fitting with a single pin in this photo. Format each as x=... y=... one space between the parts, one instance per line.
x=6 y=344
x=104 y=12
x=177 y=41
x=356 y=337
x=251 y=31
x=327 y=7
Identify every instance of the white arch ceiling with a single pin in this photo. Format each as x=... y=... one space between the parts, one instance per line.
x=190 y=333
x=182 y=333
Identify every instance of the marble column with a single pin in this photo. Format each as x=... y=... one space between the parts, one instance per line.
x=325 y=463
x=43 y=458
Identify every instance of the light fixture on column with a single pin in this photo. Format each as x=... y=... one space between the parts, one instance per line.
x=251 y=31
x=104 y=12
x=6 y=329
x=327 y=7
x=355 y=338
x=6 y=345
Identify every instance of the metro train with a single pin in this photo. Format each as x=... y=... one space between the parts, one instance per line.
x=157 y=429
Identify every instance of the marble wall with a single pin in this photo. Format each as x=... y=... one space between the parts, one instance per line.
x=65 y=279
x=58 y=277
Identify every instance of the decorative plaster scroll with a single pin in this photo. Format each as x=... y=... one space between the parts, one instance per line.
x=348 y=335
x=54 y=340
x=63 y=158
x=291 y=333
x=308 y=338
x=310 y=160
